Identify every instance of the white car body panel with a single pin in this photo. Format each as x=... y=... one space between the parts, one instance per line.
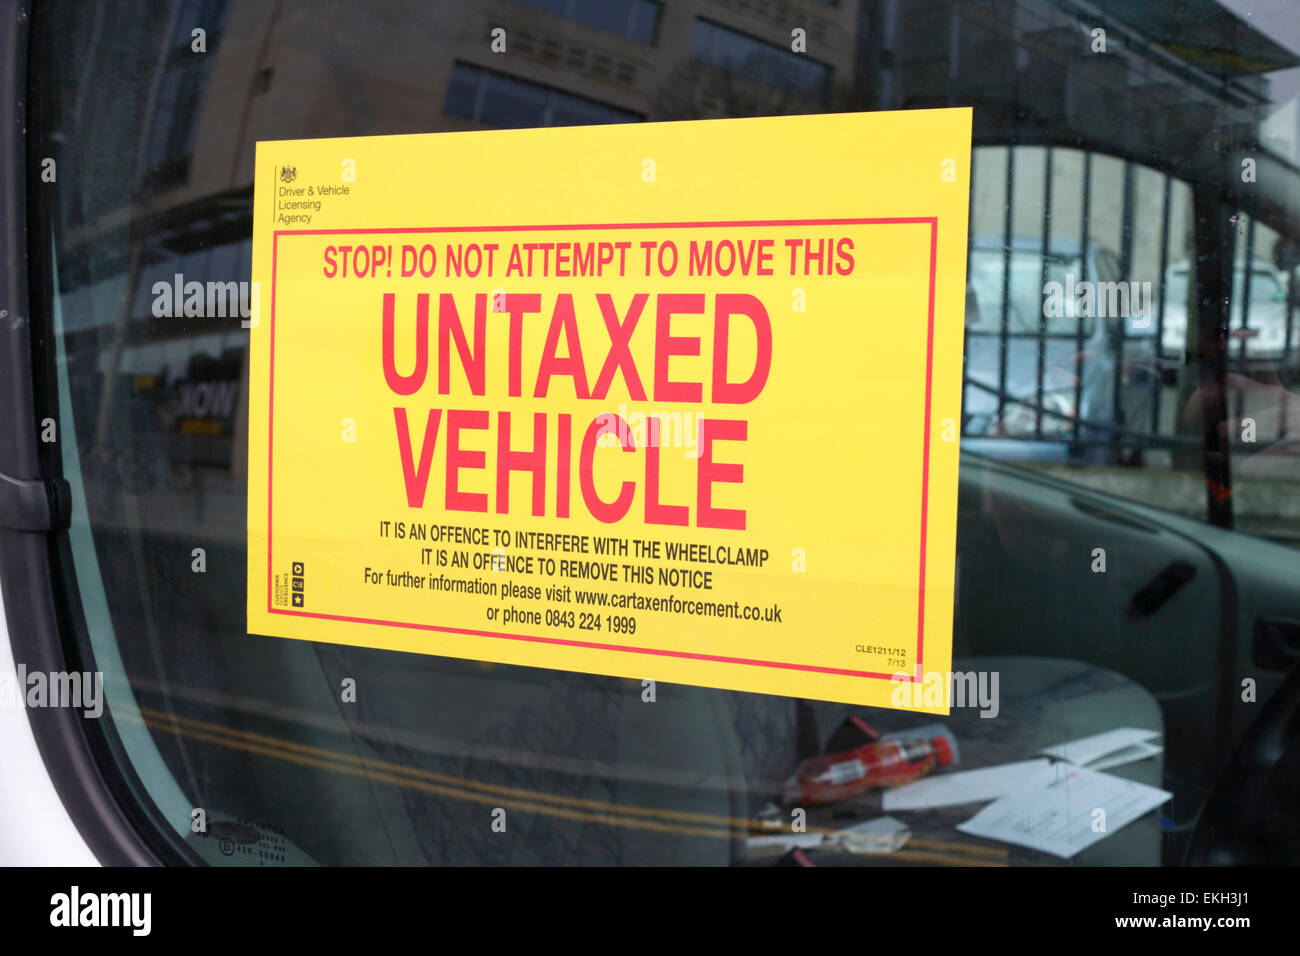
x=35 y=829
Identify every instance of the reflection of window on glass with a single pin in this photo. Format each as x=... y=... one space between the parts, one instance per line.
x=495 y=99
x=772 y=65
x=173 y=111
x=635 y=19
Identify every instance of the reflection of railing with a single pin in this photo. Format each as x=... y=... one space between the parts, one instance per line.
x=1114 y=432
x=1133 y=399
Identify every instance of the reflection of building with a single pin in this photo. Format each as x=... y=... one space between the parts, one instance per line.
x=299 y=70
x=1113 y=148
x=322 y=71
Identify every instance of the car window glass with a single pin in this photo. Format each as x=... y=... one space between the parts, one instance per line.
x=1128 y=515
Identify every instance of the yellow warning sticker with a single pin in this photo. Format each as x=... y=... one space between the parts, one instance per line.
x=671 y=401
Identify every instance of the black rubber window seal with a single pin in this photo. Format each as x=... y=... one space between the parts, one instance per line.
x=82 y=756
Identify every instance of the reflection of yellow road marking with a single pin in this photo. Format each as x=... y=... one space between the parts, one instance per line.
x=533 y=801
x=382 y=777
x=419 y=773
x=734 y=823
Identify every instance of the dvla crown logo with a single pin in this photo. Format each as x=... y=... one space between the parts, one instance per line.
x=288 y=174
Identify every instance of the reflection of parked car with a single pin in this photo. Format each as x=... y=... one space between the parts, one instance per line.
x=1079 y=337
x=1267 y=317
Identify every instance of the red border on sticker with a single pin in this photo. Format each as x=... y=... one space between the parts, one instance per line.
x=931 y=221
